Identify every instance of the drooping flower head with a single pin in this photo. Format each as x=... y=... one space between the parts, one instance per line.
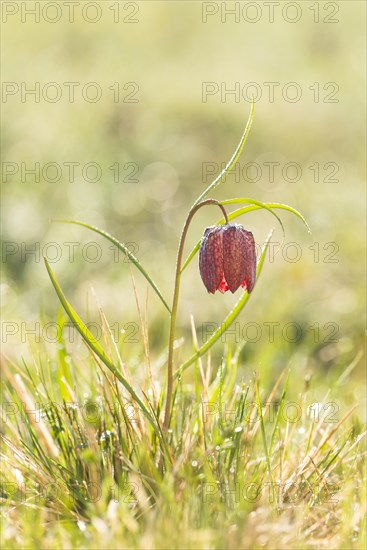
x=227 y=258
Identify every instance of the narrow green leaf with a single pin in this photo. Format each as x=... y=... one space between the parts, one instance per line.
x=233 y=314
x=279 y=414
x=264 y=438
x=233 y=160
x=93 y=344
x=125 y=250
x=257 y=203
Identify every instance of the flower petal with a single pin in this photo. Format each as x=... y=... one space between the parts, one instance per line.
x=234 y=256
x=250 y=263
x=211 y=258
x=223 y=287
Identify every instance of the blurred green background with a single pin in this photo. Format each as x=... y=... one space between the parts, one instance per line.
x=168 y=53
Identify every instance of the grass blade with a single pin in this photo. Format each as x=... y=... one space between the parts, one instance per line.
x=267 y=456
x=125 y=250
x=279 y=413
x=256 y=203
x=234 y=158
x=93 y=344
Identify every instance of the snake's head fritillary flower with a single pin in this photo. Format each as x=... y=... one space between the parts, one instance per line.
x=227 y=258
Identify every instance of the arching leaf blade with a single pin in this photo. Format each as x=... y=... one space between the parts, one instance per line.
x=125 y=250
x=95 y=347
x=268 y=206
x=233 y=159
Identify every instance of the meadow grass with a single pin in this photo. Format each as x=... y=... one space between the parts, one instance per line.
x=247 y=466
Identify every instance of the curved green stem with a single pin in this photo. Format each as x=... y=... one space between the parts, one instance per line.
x=194 y=209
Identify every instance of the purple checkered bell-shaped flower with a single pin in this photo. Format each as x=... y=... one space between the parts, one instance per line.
x=227 y=258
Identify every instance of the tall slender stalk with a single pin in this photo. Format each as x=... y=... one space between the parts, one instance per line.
x=194 y=209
